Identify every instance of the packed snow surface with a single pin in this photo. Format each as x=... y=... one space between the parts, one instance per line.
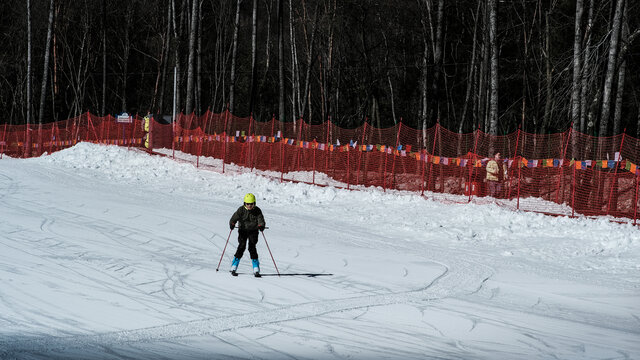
x=110 y=253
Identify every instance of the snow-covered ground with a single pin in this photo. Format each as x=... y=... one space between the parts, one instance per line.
x=109 y=253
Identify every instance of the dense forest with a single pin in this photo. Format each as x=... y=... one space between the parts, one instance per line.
x=496 y=65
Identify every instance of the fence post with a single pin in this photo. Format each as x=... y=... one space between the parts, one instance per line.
x=101 y=130
x=573 y=192
x=250 y=139
x=51 y=139
x=204 y=134
x=73 y=132
x=77 y=130
x=90 y=124
x=635 y=211
x=564 y=157
x=393 y=166
x=472 y=161
x=515 y=155
x=520 y=165
x=39 y=147
x=57 y=137
x=4 y=141
x=423 y=153
x=364 y=130
x=314 y=146
x=133 y=130
x=187 y=127
x=327 y=144
x=614 y=183
x=200 y=139
x=433 y=153
x=348 y=147
x=173 y=136
x=299 y=149
x=272 y=144
x=282 y=160
x=224 y=148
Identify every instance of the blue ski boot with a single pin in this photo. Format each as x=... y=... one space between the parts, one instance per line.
x=256 y=268
x=234 y=266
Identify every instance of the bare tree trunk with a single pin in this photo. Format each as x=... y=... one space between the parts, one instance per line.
x=233 y=56
x=525 y=76
x=635 y=96
x=28 y=118
x=267 y=48
x=437 y=63
x=45 y=70
x=157 y=103
x=329 y=66
x=577 y=50
x=221 y=57
x=126 y=45
x=198 y=90
x=472 y=66
x=176 y=38
x=617 y=114
x=295 y=77
x=393 y=106
x=611 y=68
x=424 y=108
x=254 y=55
x=104 y=58
x=424 y=103
x=586 y=73
x=493 y=39
x=617 y=117
x=192 y=53
x=549 y=79
x=281 y=110
x=376 y=119
x=307 y=77
x=482 y=76
x=78 y=65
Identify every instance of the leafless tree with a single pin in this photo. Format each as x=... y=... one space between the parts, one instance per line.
x=611 y=67
x=192 y=56
x=493 y=39
x=577 y=54
x=28 y=62
x=236 y=29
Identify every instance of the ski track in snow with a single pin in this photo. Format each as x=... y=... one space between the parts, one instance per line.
x=212 y=326
x=466 y=279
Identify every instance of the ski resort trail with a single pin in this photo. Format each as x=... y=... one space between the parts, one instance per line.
x=111 y=254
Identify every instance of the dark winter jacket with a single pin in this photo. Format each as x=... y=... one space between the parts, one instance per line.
x=247 y=220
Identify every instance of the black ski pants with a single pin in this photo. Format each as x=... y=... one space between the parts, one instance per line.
x=243 y=237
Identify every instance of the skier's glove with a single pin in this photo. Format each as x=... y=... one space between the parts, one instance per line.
x=261 y=227
x=232 y=226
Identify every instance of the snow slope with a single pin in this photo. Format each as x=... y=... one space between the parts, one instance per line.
x=109 y=253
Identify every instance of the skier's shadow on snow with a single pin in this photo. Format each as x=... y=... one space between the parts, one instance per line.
x=298 y=274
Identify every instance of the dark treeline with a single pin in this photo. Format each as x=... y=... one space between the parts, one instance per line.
x=541 y=65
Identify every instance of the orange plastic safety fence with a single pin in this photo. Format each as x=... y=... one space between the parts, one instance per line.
x=562 y=174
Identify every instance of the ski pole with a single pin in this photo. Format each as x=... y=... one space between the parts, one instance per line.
x=225 y=248
x=274 y=261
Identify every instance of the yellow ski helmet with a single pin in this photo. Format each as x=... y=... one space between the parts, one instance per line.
x=250 y=198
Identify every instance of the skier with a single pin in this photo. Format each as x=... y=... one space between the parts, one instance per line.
x=250 y=220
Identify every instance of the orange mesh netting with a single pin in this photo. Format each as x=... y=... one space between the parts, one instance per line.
x=568 y=173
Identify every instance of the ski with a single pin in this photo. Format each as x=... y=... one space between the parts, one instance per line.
x=235 y=273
